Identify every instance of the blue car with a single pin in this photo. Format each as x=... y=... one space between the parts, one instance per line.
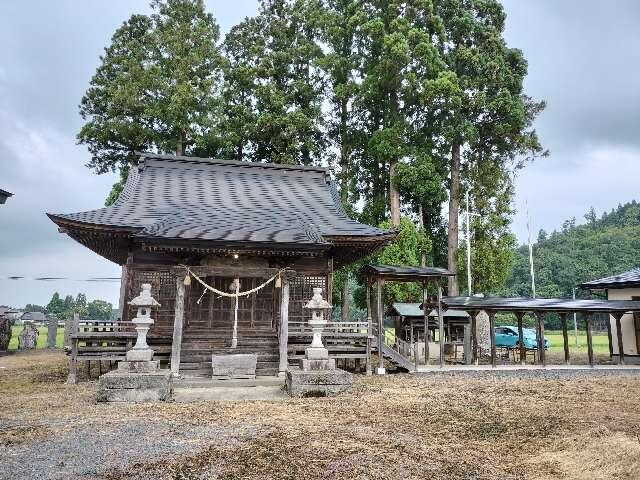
x=507 y=337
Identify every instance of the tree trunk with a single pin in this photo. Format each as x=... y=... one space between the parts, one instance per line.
x=454 y=207
x=344 y=155
x=423 y=257
x=394 y=197
x=180 y=144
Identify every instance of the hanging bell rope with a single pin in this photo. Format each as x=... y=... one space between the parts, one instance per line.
x=187 y=281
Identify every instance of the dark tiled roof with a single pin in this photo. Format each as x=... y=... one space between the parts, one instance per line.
x=171 y=197
x=523 y=304
x=622 y=280
x=4 y=195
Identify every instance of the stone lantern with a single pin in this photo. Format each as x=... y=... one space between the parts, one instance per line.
x=317 y=356
x=141 y=352
x=318 y=375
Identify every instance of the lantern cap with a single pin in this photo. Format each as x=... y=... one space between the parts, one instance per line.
x=145 y=299
x=317 y=302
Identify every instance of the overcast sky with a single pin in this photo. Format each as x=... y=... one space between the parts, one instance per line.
x=583 y=60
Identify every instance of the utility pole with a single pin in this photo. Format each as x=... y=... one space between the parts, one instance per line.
x=533 y=277
x=468 y=240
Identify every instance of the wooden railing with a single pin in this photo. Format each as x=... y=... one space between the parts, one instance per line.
x=332 y=329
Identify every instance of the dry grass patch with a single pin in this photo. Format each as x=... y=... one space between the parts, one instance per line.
x=398 y=426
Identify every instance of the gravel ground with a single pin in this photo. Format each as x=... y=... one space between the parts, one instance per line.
x=93 y=450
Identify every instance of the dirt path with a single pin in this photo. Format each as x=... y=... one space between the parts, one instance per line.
x=393 y=427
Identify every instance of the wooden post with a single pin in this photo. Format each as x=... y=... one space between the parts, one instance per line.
x=618 y=317
x=73 y=358
x=610 y=338
x=522 y=347
x=178 y=321
x=414 y=348
x=474 y=337
x=425 y=314
x=440 y=326
x=284 y=328
x=543 y=353
x=590 y=340
x=492 y=334
x=123 y=292
x=380 y=370
x=369 y=326
x=565 y=337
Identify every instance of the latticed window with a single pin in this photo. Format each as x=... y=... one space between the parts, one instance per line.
x=300 y=292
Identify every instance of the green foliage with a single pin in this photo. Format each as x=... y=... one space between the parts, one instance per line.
x=405 y=250
x=29 y=307
x=579 y=253
x=64 y=309
x=156 y=87
x=99 y=310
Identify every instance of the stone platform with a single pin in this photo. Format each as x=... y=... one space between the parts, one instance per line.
x=317 y=383
x=135 y=382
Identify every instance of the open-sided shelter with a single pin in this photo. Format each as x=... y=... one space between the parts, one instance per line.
x=236 y=226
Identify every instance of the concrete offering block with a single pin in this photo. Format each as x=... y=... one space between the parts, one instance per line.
x=120 y=386
x=317 y=383
x=241 y=365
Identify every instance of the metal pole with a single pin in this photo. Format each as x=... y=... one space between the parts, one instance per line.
x=533 y=277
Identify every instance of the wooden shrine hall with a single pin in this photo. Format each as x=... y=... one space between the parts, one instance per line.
x=274 y=230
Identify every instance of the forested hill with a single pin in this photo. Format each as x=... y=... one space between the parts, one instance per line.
x=600 y=247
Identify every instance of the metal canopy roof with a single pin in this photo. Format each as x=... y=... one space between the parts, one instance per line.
x=622 y=280
x=522 y=304
x=405 y=273
x=415 y=310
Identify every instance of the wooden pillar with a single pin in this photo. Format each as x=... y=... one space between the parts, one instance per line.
x=618 y=317
x=425 y=315
x=178 y=321
x=369 y=326
x=492 y=334
x=474 y=337
x=540 y=338
x=123 y=292
x=590 y=339
x=284 y=328
x=380 y=370
x=610 y=338
x=522 y=347
x=73 y=358
x=565 y=337
x=440 y=325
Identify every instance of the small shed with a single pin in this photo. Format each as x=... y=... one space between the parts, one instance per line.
x=624 y=286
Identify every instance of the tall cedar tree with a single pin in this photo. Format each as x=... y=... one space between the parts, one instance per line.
x=487 y=116
x=155 y=89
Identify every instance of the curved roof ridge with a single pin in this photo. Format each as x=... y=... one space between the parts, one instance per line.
x=230 y=163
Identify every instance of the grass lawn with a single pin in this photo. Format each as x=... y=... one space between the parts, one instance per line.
x=42 y=337
x=392 y=427
x=600 y=341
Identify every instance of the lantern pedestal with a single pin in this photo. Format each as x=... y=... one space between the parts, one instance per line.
x=139 y=378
